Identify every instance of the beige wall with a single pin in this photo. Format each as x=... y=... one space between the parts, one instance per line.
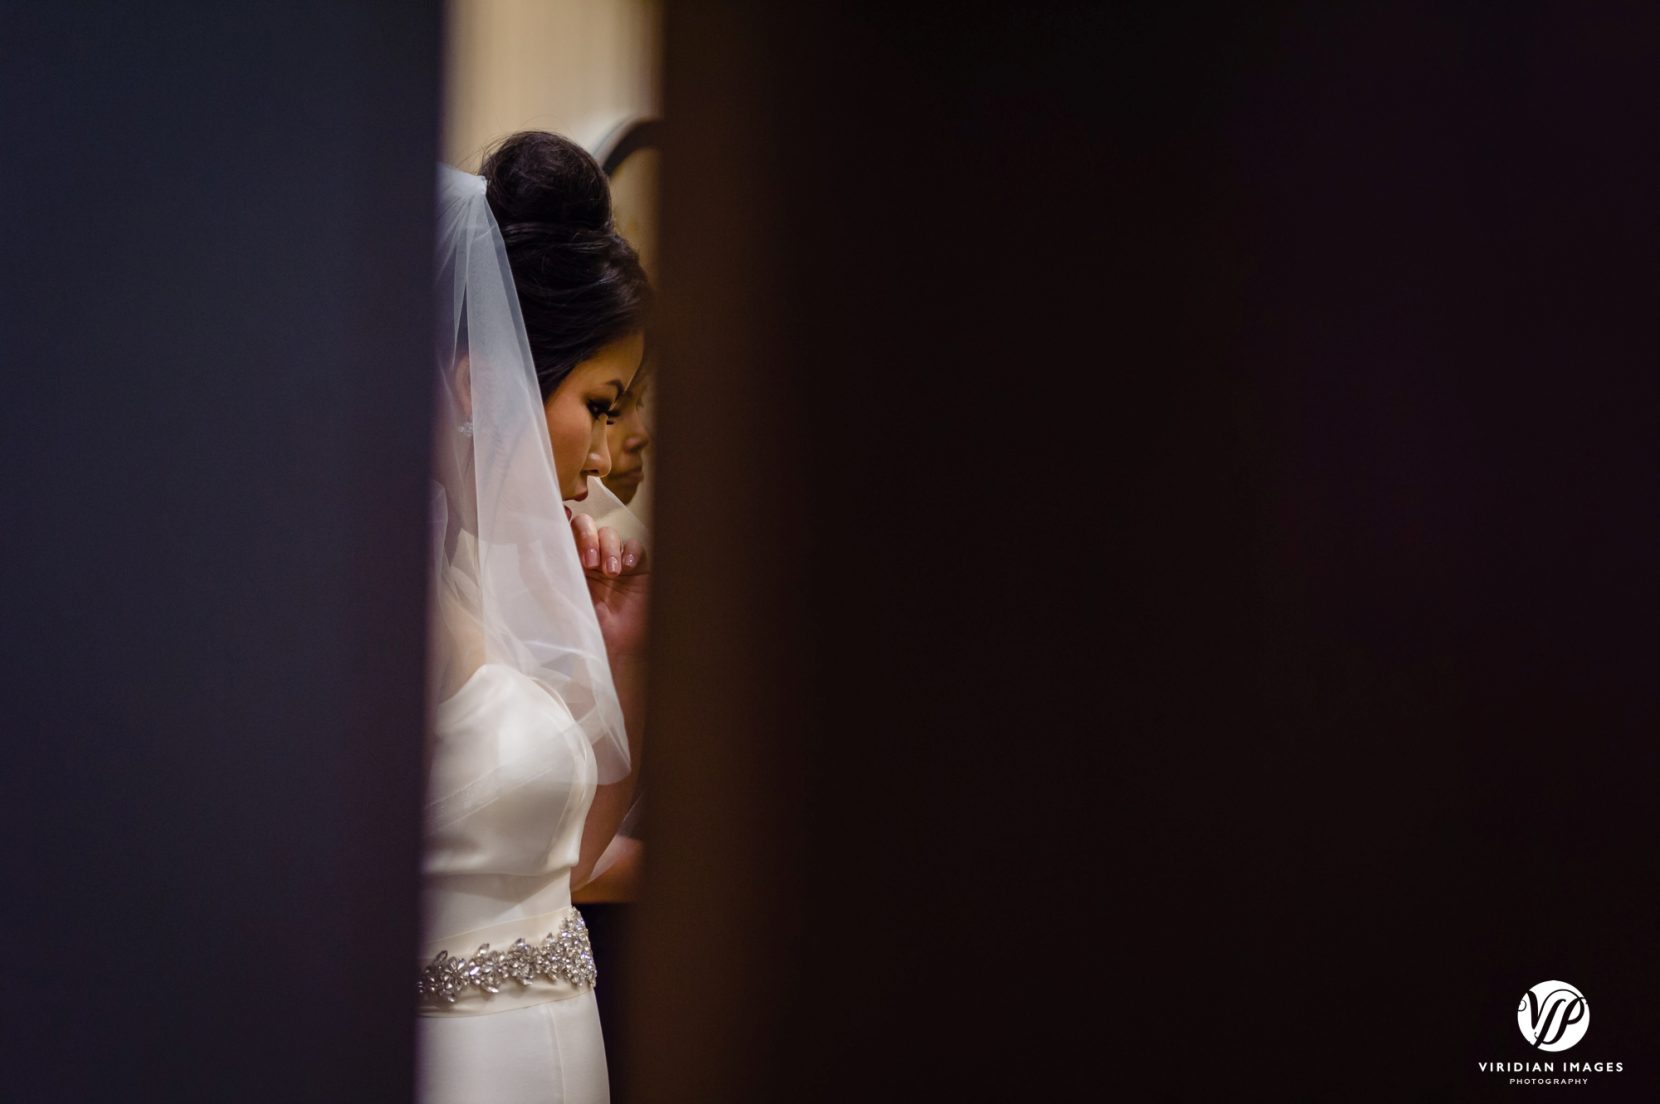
x=577 y=67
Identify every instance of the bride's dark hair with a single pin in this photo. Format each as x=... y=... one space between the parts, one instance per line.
x=580 y=283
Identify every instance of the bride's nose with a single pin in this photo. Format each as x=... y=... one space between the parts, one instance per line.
x=599 y=455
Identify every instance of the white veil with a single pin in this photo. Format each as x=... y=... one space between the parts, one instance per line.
x=508 y=588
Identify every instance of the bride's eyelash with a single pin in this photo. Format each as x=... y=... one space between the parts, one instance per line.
x=604 y=410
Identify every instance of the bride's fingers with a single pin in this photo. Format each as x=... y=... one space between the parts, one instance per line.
x=610 y=551
x=586 y=532
x=633 y=554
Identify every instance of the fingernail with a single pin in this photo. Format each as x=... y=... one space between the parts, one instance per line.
x=611 y=565
x=628 y=560
x=590 y=558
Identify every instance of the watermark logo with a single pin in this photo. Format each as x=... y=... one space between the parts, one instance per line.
x=1553 y=1015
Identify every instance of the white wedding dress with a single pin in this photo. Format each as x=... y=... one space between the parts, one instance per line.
x=527 y=722
x=499 y=874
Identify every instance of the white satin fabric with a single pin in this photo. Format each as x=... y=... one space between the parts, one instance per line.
x=498 y=873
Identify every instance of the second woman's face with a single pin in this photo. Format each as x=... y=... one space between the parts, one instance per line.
x=628 y=440
x=580 y=407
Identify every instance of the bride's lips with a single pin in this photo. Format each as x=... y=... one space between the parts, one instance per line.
x=580 y=497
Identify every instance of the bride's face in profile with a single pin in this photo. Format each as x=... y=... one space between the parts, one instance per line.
x=580 y=408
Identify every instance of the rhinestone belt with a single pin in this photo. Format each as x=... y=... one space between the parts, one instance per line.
x=566 y=956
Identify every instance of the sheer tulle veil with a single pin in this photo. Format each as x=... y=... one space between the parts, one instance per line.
x=507 y=586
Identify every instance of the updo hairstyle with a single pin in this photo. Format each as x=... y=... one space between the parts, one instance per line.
x=580 y=283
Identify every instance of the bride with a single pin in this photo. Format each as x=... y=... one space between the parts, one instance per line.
x=537 y=623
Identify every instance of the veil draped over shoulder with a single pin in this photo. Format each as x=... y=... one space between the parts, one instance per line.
x=508 y=589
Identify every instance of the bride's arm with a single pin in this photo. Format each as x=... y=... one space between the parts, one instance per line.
x=613 y=800
x=619 y=584
x=618 y=873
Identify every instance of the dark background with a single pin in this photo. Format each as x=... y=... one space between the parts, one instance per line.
x=1156 y=572
x=214 y=335
x=1189 y=630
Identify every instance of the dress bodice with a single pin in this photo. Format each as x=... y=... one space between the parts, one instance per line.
x=510 y=858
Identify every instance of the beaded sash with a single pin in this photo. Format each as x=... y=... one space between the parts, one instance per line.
x=565 y=957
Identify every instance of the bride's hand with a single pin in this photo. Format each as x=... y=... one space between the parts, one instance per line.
x=618 y=583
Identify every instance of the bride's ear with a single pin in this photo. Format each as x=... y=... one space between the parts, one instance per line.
x=464 y=386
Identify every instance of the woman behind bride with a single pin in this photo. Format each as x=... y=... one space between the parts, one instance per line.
x=537 y=625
